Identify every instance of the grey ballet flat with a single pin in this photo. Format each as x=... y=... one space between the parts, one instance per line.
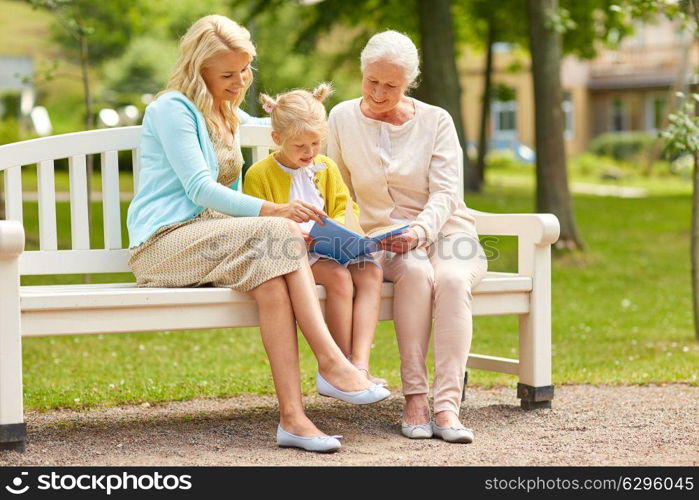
x=453 y=434
x=373 y=394
x=320 y=444
x=421 y=431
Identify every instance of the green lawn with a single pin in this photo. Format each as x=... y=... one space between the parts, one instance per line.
x=621 y=315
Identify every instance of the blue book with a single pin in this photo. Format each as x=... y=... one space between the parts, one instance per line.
x=343 y=245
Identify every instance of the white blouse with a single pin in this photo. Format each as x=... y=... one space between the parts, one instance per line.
x=303 y=188
x=401 y=173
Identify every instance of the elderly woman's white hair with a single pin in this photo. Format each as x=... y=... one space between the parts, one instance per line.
x=396 y=48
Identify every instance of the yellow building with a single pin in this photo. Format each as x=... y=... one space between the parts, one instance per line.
x=625 y=89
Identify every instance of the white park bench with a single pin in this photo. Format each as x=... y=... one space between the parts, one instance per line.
x=33 y=311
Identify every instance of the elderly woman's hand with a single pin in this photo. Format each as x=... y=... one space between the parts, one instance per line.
x=401 y=243
x=297 y=210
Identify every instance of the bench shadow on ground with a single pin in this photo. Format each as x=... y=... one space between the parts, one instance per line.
x=164 y=423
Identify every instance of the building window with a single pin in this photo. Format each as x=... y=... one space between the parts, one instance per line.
x=568 y=115
x=619 y=120
x=656 y=107
x=504 y=116
x=503 y=47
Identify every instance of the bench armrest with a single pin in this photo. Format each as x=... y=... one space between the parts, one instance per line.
x=540 y=229
x=11 y=239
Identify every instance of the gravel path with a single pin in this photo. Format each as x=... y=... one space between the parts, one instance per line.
x=650 y=425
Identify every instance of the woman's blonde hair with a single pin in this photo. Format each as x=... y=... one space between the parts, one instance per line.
x=298 y=111
x=206 y=38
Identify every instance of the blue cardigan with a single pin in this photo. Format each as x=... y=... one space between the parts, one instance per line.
x=177 y=179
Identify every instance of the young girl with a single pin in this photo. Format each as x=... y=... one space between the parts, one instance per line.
x=298 y=172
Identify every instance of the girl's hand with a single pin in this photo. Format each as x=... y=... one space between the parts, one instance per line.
x=400 y=243
x=297 y=210
x=308 y=239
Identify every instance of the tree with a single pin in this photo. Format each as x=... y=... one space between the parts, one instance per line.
x=440 y=78
x=552 y=194
x=682 y=136
x=485 y=23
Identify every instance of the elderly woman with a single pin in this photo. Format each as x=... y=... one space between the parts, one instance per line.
x=400 y=158
x=188 y=227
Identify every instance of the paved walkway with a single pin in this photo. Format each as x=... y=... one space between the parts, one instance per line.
x=588 y=426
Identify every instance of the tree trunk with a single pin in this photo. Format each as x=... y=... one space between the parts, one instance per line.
x=485 y=108
x=440 y=78
x=552 y=194
x=694 y=245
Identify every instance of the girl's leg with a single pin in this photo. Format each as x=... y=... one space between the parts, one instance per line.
x=332 y=364
x=338 y=303
x=278 y=329
x=367 y=279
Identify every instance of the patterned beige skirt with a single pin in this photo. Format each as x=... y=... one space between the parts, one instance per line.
x=215 y=249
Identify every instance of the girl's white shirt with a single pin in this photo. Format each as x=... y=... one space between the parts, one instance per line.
x=303 y=188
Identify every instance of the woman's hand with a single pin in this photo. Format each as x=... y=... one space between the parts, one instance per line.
x=297 y=210
x=400 y=243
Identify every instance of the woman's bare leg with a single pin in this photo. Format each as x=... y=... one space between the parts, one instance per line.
x=338 y=303
x=278 y=330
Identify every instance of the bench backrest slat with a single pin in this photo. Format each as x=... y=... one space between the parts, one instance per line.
x=13 y=194
x=46 y=189
x=111 y=210
x=259 y=153
x=79 y=224
x=75 y=147
x=136 y=163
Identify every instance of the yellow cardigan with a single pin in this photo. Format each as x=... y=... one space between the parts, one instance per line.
x=266 y=180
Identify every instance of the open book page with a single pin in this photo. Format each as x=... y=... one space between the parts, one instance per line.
x=380 y=233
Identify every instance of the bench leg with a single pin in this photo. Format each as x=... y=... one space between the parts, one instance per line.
x=13 y=436
x=534 y=388
x=463 y=391
x=12 y=426
x=533 y=398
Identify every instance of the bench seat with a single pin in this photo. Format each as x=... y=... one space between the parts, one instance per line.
x=123 y=307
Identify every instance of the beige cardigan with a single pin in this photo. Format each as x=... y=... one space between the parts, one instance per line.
x=401 y=173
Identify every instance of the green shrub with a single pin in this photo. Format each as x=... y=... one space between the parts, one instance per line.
x=622 y=145
x=588 y=164
x=143 y=68
x=503 y=160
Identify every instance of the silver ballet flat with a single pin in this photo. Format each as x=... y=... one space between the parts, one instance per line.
x=421 y=431
x=453 y=434
x=320 y=444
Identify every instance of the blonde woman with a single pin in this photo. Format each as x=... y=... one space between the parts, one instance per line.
x=188 y=227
